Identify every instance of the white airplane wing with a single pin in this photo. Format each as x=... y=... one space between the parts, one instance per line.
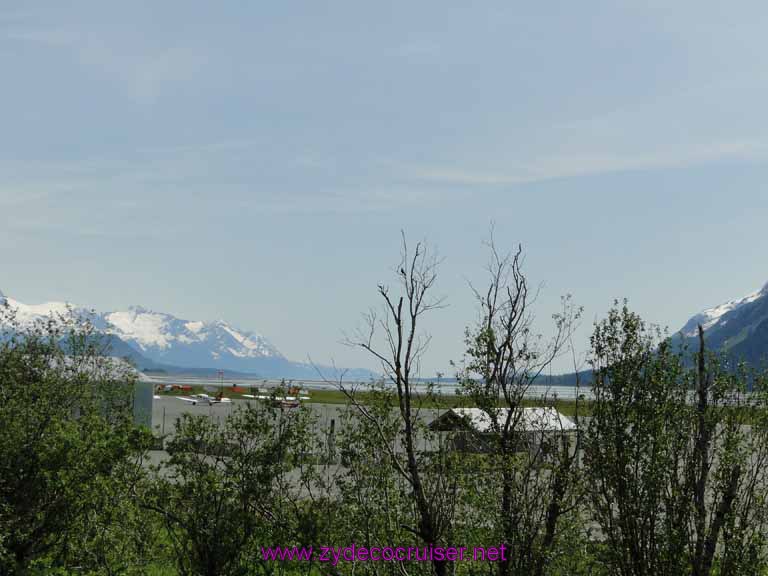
x=188 y=400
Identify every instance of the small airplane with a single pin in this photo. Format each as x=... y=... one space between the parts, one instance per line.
x=292 y=401
x=205 y=399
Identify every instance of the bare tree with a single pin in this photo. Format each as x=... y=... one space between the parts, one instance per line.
x=395 y=339
x=505 y=357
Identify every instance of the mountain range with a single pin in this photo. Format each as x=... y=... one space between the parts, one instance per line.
x=162 y=342
x=739 y=327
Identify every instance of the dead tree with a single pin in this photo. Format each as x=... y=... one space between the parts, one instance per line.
x=395 y=339
x=505 y=357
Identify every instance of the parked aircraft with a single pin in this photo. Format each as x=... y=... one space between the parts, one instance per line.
x=204 y=399
x=292 y=401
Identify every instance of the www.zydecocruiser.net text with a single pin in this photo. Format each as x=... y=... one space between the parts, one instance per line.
x=355 y=553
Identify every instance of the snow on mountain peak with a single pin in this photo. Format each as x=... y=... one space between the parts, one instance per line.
x=160 y=336
x=156 y=330
x=143 y=328
x=711 y=316
x=28 y=313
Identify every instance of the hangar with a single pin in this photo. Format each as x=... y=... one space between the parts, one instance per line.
x=474 y=429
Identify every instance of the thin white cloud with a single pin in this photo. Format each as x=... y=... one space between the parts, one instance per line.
x=48 y=37
x=223 y=146
x=143 y=73
x=341 y=201
x=576 y=165
x=14 y=16
x=418 y=47
x=159 y=174
x=13 y=197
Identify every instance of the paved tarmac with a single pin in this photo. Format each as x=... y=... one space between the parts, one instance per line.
x=166 y=409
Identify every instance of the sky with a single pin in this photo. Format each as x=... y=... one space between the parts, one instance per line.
x=257 y=161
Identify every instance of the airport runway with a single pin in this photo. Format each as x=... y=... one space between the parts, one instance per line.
x=446 y=387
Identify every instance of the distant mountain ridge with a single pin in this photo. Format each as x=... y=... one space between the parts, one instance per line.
x=167 y=339
x=737 y=327
x=157 y=340
x=161 y=341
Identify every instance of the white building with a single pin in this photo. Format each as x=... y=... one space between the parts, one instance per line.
x=474 y=429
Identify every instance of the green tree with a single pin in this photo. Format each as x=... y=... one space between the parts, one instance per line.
x=676 y=455
x=65 y=413
x=116 y=535
x=220 y=493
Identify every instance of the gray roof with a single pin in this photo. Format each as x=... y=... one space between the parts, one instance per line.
x=539 y=419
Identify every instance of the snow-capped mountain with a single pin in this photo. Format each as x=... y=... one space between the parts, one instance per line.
x=738 y=327
x=164 y=338
x=156 y=340
x=720 y=314
x=26 y=313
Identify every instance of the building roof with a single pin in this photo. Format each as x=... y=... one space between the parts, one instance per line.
x=539 y=419
x=111 y=367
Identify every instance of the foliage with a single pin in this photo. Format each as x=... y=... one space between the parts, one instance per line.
x=217 y=493
x=676 y=454
x=65 y=412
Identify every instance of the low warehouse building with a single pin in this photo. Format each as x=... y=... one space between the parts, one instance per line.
x=474 y=429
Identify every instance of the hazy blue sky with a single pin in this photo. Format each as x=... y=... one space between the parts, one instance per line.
x=255 y=161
